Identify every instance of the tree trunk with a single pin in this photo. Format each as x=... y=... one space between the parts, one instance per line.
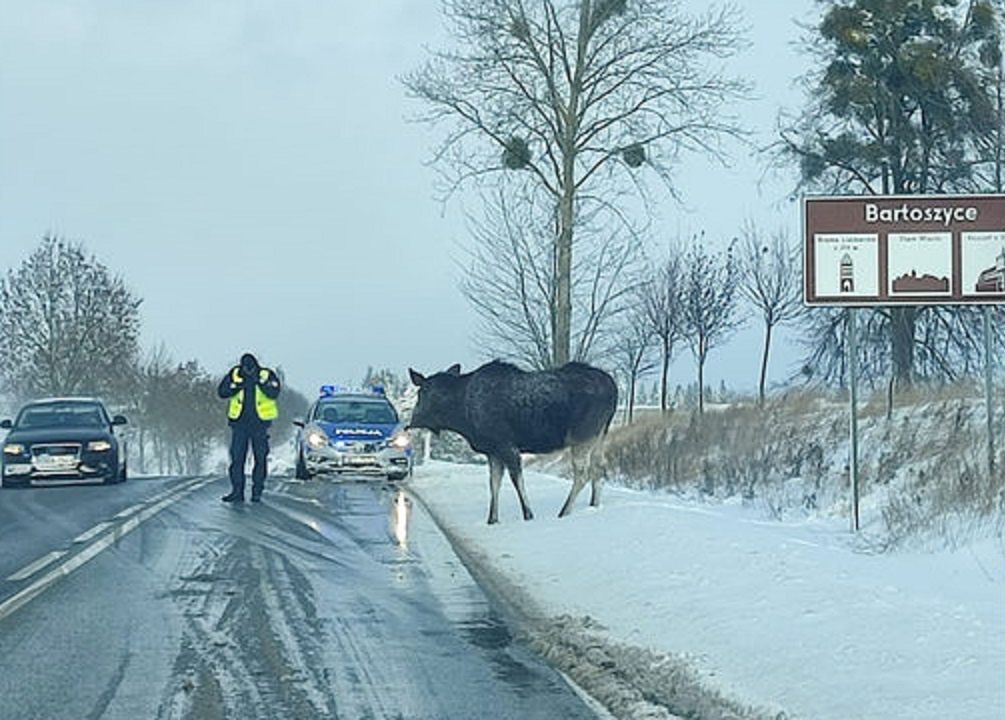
x=664 y=377
x=631 y=397
x=902 y=323
x=764 y=363
x=701 y=383
x=562 y=312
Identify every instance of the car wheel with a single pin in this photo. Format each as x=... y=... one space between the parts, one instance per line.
x=301 y=472
x=394 y=477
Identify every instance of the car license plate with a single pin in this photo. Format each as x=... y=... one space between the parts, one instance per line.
x=360 y=459
x=55 y=462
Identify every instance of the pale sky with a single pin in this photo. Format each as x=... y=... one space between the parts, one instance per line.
x=249 y=168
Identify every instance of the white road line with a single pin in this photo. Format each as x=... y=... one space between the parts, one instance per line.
x=28 y=570
x=26 y=595
x=94 y=531
x=128 y=511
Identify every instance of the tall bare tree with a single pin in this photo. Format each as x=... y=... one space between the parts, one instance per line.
x=771 y=280
x=632 y=340
x=580 y=96
x=510 y=281
x=662 y=298
x=710 y=309
x=67 y=324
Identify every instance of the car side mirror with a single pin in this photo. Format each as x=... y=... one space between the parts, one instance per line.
x=299 y=423
x=6 y=425
x=119 y=420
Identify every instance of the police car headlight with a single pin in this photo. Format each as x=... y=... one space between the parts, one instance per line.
x=99 y=446
x=400 y=441
x=13 y=449
x=317 y=439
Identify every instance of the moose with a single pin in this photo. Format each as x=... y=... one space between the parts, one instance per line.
x=503 y=411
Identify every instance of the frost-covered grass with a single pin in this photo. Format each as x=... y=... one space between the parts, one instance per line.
x=923 y=472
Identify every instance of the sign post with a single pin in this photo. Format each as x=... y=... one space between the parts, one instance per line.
x=886 y=250
x=853 y=402
x=988 y=401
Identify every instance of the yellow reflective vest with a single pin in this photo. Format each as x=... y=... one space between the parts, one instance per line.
x=265 y=407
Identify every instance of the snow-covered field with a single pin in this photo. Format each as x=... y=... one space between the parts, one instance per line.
x=785 y=617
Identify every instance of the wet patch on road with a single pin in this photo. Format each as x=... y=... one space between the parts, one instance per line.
x=251 y=640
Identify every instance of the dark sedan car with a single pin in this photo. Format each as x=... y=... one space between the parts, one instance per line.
x=60 y=441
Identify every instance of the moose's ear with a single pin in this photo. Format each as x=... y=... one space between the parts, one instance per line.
x=417 y=378
x=454 y=369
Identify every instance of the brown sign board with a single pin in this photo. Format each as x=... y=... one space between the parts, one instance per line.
x=904 y=250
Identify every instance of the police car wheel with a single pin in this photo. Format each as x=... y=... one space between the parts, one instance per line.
x=301 y=470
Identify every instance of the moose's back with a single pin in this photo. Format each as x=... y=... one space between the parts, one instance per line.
x=540 y=411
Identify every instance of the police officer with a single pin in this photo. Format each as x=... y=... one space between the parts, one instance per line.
x=252 y=391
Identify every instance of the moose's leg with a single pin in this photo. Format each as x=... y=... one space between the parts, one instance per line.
x=495 y=479
x=515 y=467
x=578 y=480
x=595 y=491
x=597 y=475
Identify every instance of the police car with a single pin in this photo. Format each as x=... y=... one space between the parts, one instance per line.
x=352 y=431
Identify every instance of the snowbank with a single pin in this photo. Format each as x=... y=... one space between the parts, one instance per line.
x=784 y=617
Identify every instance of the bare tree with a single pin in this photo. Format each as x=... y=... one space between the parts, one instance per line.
x=710 y=310
x=632 y=341
x=177 y=417
x=67 y=324
x=579 y=96
x=663 y=312
x=510 y=281
x=770 y=278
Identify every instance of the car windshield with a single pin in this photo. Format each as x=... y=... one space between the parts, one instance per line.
x=62 y=414
x=347 y=410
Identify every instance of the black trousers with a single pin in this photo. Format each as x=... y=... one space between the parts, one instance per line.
x=242 y=435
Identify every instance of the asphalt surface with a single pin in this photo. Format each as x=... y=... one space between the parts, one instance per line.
x=327 y=600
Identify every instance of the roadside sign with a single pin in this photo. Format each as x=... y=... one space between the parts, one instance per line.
x=904 y=250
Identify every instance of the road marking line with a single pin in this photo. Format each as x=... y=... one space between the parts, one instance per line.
x=96 y=530
x=26 y=595
x=128 y=511
x=28 y=570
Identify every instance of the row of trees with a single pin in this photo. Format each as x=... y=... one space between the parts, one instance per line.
x=560 y=113
x=693 y=297
x=69 y=326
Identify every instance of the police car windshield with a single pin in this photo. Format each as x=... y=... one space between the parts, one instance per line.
x=62 y=414
x=356 y=410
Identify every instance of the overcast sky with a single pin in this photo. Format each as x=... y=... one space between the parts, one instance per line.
x=250 y=169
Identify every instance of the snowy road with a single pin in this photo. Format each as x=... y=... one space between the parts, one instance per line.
x=154 y=600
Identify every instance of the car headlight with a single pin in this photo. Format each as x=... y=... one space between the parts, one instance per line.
x=317 y=439
x=99 y=446
x=13 y=449
x=400 y=441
